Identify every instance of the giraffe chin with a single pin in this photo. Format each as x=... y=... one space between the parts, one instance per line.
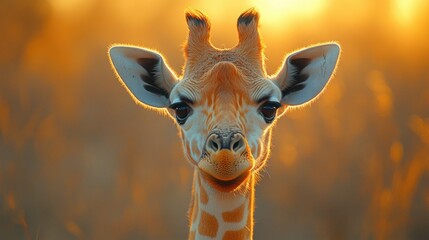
x=226 y=170
x=225 y=185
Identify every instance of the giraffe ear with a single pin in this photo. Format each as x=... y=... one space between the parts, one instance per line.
x=144 y=73
x=306 y=72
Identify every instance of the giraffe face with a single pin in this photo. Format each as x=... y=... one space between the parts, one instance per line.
x=224 y=103
x=225 y=119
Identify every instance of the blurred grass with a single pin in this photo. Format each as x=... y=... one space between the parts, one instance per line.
x=79 y=160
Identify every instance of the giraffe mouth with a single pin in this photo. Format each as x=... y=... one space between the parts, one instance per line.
x=226 y=170
x=225 y=185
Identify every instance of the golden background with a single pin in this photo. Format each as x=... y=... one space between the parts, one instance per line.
x=80 y=160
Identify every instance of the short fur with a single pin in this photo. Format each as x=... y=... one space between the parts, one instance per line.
x=226 y=106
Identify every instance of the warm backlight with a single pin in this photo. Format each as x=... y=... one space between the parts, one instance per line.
x=275 y=12
x=80 y=160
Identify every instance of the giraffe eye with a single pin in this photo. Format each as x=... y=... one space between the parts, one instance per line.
x=182 y=111
x=268 y=110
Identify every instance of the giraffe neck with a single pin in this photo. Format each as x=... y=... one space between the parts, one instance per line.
x=221 y=215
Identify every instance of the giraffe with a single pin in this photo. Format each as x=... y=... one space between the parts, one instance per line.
x=225 y=106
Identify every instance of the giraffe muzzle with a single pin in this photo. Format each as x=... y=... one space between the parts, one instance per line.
x=227 y=160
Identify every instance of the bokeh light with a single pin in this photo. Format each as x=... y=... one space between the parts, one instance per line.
x=80 y=160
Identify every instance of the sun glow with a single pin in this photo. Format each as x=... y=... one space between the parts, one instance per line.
x=275 y=12
x=74 y=147
x=70 y=9
x=405 y=10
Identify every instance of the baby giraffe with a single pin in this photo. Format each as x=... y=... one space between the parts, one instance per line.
x=225 y=106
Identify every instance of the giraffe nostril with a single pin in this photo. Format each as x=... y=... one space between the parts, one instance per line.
x=235 y=146
x=213 y=143
x=234 y=142
x=237 y=142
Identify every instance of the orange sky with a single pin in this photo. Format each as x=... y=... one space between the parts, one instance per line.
x=80 y=160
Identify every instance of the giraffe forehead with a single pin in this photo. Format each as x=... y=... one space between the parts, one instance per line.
x=209 y=59
x=225 y=82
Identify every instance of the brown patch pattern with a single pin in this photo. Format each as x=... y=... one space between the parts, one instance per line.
x=208 y=225
x=237 y=235
x=235 y=215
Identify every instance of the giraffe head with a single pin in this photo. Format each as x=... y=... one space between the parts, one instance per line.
x=224 y=104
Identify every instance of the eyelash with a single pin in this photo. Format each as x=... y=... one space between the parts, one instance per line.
x=182 y=110
x=268 y=110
